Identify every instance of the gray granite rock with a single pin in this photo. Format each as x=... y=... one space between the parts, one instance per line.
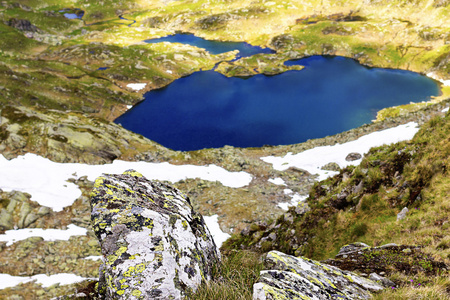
x=401 y=215
x=350 y=248
x=155 y=245
x=290 y=277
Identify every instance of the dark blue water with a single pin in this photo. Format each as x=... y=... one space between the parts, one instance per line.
x=331 y=95
x=214 y=47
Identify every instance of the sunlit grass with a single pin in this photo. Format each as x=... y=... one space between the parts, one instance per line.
x=234 y=279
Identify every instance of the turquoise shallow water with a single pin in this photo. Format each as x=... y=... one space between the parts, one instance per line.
x=331 y=95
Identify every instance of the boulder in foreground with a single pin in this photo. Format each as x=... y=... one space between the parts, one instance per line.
x=155 y=246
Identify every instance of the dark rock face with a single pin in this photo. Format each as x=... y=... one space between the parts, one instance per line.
x=154 y=244
x=292 y=277
x=23 y=25
x=353 y=156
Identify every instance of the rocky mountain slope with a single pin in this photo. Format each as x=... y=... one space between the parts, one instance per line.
x=56 y=102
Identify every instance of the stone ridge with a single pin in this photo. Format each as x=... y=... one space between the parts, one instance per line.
x=155 y=246
x=290 y=277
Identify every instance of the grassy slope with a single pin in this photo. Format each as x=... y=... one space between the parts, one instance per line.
x=409 y=174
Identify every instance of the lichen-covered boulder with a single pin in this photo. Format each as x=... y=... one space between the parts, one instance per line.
x=155 y=246
x=292 y=277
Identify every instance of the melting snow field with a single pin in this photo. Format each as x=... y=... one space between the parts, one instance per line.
x=46 y=180
x=7 y=280
x=12 y=236
x=295 y=197
x=136 y=86
x=213 y=225
x=313 y=159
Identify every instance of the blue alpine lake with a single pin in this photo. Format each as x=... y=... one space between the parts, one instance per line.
x=330 y=95
x=213 y=47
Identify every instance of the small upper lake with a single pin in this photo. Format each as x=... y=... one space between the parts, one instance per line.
x=213 y=47
x=331 y=95
x=73 y=13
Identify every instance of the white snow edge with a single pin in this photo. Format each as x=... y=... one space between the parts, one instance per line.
x=13 y=236
x=212 y=222
x=7 y=280
x=436 y=77
x=313 y=159
x=46 y=181
x=136 y=86
x=277 y=181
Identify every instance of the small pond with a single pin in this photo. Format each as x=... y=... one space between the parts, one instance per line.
x=72 y=13
x=213 y=47
x=331 y=95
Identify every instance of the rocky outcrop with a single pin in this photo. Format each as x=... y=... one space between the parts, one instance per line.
x=18 y=211
x=385 y=260
x=71 y=137
x=292 y=277
x=154 y=244
x=23 y=25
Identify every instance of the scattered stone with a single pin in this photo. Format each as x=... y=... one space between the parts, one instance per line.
x=358 y=188
x=381 y=280
x=302 y=208
x=292 y=277
x=332 y=166
x=18 y=211
x=350 y=248
x=353 y=156
x=401 y=215
x=156 y=246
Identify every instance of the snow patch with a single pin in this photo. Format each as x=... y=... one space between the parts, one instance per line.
x=12 y=236
x=94 y=257
x=313 y=159
x=7 y=280
x=277 y=181
x=436 y=77
x=218 y=235
x=136 y=86
x=46 y=180
x=295 y=200
x=445 y=110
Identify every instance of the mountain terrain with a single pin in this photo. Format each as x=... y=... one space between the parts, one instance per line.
x=64 y=81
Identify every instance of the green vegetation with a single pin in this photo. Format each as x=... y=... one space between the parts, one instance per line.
x=361 y=204
x=234 y=279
